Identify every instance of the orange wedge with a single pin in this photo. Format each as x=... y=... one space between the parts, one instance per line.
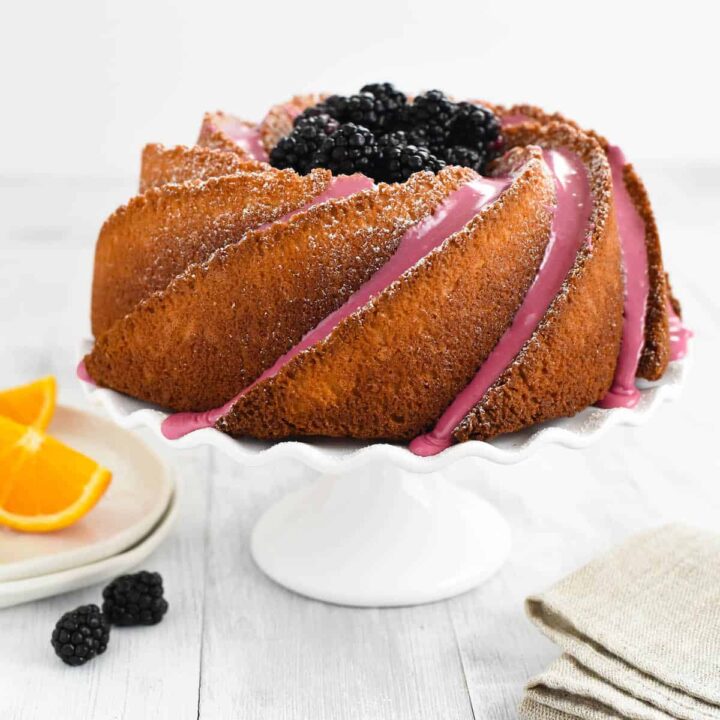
x=44 y=485
x=32 y=404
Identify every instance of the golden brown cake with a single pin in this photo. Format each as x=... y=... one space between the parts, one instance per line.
x=264 y=284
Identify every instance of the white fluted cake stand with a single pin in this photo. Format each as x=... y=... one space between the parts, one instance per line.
x=380 y=526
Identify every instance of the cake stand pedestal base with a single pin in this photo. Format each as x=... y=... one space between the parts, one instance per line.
x=380 y=536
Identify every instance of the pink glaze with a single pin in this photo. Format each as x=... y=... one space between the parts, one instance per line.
x=340 y=186
x=631 y=228
x=569 y=229
x=246 y=136
x=83 y=374
x=292 y=110
x=508 y=120
x=452 y=215
x=679 y=335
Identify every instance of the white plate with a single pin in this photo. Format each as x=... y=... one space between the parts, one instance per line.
x=138 y=495
x=15 y=592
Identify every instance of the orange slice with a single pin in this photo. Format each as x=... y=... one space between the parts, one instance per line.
x=44 y=484
x=32 y=404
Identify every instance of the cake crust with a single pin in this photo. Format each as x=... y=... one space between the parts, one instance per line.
x=570 y=360
x=213 y=134
x=387 y=371
x=219 y=324
x=145 y=244
x=162 y=165
x=655 y=355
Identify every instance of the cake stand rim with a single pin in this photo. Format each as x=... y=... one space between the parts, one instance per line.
x=337 y=457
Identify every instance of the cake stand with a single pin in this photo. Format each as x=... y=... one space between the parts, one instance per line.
x=379 y=526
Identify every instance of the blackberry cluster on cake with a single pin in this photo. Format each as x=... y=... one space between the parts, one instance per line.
x=382 y=134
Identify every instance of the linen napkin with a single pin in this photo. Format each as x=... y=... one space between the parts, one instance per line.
x=640 y=629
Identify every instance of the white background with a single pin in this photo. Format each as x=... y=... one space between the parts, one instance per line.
x=87 y=82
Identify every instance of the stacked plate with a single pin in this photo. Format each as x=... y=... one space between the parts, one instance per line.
x=126 y=525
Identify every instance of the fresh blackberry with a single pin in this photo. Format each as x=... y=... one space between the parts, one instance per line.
x=351 y=148
x=321 y=121
x=432 y=113
x=387 y=93
x=419 y=136
x=391 y=139
x=335 y=106
x=398 y=162
x=467 y=157
x=298 y=149
x=80 y=635
x=363 y=110
x=389 y=103
x=135 y=599
x=474 y=126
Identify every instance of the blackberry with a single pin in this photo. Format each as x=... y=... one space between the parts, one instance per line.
x=389 y=103
x=363 y=110
x=80 y=635
x=351 y=148
x=467 y=157
x=335 y=106
x=298 y=149
x=135 y=599
x=433 y=114
x=391 y=139
x=398 y=162
x=474 y=126
x=386 y=93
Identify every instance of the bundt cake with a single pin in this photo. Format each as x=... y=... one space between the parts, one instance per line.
x=384 y=268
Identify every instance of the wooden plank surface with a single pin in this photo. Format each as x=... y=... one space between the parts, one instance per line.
x=234 y=645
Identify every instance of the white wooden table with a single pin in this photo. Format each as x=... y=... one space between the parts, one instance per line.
x=234 y=645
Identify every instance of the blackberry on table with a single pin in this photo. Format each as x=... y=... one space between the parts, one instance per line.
x=135 y=599
x=351 y=148
x=80 y=635
x=297 y=149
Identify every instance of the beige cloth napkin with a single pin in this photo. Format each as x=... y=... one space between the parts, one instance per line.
x=640 y=629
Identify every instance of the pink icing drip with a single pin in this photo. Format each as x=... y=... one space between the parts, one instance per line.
x=249 y=139
x=292 y=110
x=569 y=228
x=83 y=374
x=631 y=227
x=246 y=136
x=679 y=335
x=516 y=119
x=452 y=215
x=340 y=186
